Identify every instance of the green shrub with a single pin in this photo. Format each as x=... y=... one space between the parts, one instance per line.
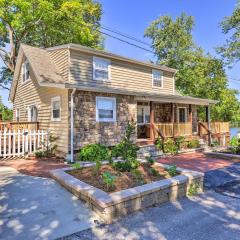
x=172 y=170
x=109 y=180
x=76 y=165
x=215 y=143
x=127 y=149
x=40 y=154
x=125 y=166
x=170 y=146
x=94 y=153
x=137 y=174
x=235 y=144
x=194 y=189
x=179 y=142
x=150 y=160
x=154 y=172
x=193 y=144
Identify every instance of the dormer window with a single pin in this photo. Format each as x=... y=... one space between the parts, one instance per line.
x=101 y=69
x=157 y=79
x=25 y=71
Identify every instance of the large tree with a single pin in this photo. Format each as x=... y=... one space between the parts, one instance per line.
x=200 y=74
x=45 y=23
x=231 y=26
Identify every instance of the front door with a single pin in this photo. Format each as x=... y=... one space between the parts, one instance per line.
x=143 y=120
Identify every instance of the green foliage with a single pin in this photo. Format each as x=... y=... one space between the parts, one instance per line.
x=150 y=160
x=93 y=153
x=40 y=154
x=137 y=175
x=153 y=172
x=46 y=23
x=5 y=113
x=172 y=170
x=178 y=142
x=126 y=149
x=49 y=146
x=230 y=26
x=125 y=166
x=194 y=189
x=235 y=145
x=76 y=165
x=215 y=143
x=109 y=180
x=193 y=143
x=170 y=146
x=199 y=74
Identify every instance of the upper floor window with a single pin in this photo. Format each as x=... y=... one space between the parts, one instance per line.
x=25 y=71
x=105 y=109
x=56 y=109
x=101 y=69
x=157 y=78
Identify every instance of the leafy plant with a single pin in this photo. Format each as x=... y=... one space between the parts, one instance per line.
x=97 y=167
x=125 y=166
x=193 y=143
x=94 y=153
x=127 y=149
x=194 y=189
x=150 y=160
x=137 y=174
x=154 y=172
x=40 y=154
x=109 y=180
x=49 y=146
x=178 y=142
x=170 y=146
x=235 y=144
x=76 y=165
x=215 y=143
x=172 y=170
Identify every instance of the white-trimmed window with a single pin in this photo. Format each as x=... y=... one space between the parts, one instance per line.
x=56 y=108
x=157 y=78
x=182 y=115
x=105 y=109
x=143 y=114
x=32 y=113
x=17 y=114
x=25 y=71
x=101 y=69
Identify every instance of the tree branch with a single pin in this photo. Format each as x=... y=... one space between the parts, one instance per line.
x=4 y=87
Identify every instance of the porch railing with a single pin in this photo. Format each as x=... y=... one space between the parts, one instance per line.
x=15 y=126
x=216 y=127
x=175 y=129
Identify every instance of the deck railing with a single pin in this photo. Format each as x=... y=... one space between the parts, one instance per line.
x=216 y=127
x=175 y=129
x=15 y=126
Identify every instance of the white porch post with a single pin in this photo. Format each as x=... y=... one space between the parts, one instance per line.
x=72 y=123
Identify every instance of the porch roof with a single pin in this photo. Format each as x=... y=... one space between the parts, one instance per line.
x=145 y=96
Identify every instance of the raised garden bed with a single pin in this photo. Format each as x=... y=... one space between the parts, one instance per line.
x=142 y=175
x=136 y=196
x=225 y=154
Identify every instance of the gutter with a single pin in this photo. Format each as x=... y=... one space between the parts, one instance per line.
x=72 y=123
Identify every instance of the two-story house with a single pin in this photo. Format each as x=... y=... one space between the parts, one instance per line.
x=87 y=96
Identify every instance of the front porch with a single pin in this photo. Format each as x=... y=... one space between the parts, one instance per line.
x=172 y=120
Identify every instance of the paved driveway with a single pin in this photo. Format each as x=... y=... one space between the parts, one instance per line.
x=210 y=216
x=38 y=208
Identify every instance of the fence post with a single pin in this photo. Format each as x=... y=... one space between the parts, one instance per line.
x=19 y=145
x=14 y=143
x=0 y=143
x=5 y=143
x=9 y=143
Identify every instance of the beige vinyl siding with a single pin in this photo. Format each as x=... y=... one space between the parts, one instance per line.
x=123 y=75
x=30 y=93
x=61 y=59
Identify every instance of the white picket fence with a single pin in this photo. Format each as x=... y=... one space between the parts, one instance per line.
x=18 y=143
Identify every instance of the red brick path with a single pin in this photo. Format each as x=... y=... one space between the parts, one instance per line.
x=196 y=161
x=32 y=167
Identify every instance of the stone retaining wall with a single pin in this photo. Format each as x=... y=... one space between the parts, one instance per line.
x=112 y=205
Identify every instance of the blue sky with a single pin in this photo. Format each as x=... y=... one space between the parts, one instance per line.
x=134 y=16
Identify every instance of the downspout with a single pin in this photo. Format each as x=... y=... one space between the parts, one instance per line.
x=72 y=124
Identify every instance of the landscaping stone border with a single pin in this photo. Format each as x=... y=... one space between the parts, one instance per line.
x=111 y=205
x=228 y=156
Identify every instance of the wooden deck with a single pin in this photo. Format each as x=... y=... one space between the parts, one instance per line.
x=15 y=126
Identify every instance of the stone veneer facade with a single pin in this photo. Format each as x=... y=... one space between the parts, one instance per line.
x=88 y=130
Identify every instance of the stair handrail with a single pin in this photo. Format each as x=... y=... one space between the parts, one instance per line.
x=209 y=132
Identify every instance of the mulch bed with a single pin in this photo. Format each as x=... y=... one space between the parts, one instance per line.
x=123 y=181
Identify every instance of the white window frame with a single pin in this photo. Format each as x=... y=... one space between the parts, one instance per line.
x=24 y=71
x=161 y=73
x=57 y=98
x=29 y=112
x=94 y=68
x=114 y=109
x=17 y=114
x=186 y=114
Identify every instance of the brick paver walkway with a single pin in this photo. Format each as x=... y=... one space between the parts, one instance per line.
x=32 y=167
x=196 y=161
